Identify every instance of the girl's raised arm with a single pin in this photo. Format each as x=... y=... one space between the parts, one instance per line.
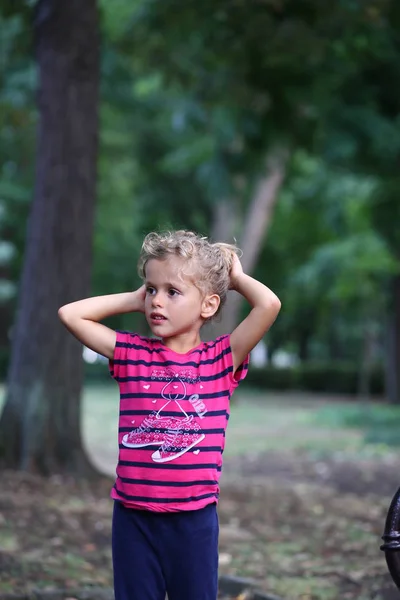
x=265 y=308
x=82 y=318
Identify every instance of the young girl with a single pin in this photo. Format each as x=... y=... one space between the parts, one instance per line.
x=174 y=409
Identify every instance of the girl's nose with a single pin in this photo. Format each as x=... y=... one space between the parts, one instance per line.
x=157 y=300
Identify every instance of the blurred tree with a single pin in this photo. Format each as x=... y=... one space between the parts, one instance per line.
x=17 y=127
x=329 y=264
x=231 y=88
x=257 y=221
x=386 y=216
x=362 y=132
x=333 y=95
x=184 y=178
x=194 y=100
x=40 y=424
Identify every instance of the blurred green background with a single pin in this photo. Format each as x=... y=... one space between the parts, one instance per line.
x=275 y=123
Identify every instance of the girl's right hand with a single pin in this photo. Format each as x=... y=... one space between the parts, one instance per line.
x=236 y=272
x=140 y=297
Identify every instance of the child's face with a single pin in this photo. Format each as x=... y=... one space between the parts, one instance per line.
x=173 y=304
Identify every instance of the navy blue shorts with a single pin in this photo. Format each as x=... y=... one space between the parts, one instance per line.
x=158 y=553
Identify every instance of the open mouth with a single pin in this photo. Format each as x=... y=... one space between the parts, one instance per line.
x=155 y=317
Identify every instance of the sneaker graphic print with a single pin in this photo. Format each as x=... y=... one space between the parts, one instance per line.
x=174 y=436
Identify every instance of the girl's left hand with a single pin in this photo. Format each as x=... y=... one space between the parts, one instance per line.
x=236 y=272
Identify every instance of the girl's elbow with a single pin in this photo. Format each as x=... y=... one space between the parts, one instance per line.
x=277 y=304
x=270 y=309
x=274 y=304
x=64 y=313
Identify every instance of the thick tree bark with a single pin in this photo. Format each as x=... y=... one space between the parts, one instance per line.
x=256 y=224
x=40 y=424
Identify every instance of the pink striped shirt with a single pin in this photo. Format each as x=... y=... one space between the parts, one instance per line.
x=174 y=410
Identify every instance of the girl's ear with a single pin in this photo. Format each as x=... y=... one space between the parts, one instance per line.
x=210 y=306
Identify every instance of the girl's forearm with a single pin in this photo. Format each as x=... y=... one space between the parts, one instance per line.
x=100 y=307
x=256 y=293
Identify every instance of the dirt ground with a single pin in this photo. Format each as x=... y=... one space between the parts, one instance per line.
x=303 y=529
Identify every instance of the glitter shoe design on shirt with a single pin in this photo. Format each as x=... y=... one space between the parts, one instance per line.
x=151 y=432
x=180 y=438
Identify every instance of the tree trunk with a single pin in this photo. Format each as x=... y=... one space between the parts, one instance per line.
x=393 y=346
x=40 y=424
x=225 y=221
x=256 y=223
x=303 y=339
x=334 y=338
x=367 y=357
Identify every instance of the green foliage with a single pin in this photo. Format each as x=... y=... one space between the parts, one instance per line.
x=4 y=362
x=385 y=209
x=315 y=377
x=193 y=98
x=270 y=378
x=206 y=108
x=17 y=127
x=362 y=119
x=326 y=261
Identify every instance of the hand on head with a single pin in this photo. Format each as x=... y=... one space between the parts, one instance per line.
x=141 y=298
x=236 y=271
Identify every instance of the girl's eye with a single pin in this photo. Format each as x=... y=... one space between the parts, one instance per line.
x=150 y=291
x=173 y=292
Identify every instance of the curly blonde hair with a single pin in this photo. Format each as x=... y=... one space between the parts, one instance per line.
x=209 y=263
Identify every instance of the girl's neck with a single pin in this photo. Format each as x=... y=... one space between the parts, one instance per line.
x=183 y=342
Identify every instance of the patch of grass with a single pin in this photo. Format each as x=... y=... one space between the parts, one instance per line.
x=8 y=541
x=100 y=408
x=7 y=587
x=306 y=588
x=278 y=422
x=262 y=422
x=379 y=423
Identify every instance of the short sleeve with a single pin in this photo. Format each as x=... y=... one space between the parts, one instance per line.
x=224 y=351
x=124 y=346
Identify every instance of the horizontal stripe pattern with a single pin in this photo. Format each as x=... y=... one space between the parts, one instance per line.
x=158 y=363
x=213 y=377
x=180 y=467
x=174 y=411
x=164 y=499
x=168 y=482
x=151 y=345
x=214 y=431
x=170 y=413
x=158 y=396
x=203 y=448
